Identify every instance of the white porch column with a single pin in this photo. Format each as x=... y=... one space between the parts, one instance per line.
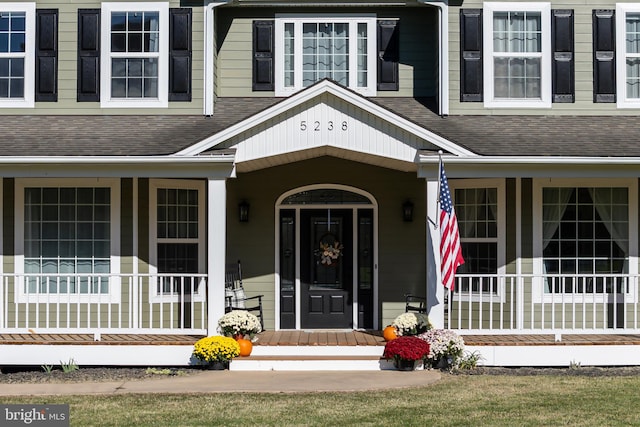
x=435 y=290
x=216 y=244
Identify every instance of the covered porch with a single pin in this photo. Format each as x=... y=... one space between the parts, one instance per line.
x=319 y=350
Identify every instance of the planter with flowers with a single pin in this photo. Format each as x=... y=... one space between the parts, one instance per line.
x=240 y=324
x=405 y=351
x=446 y=348
x=411 y=324
x=215 y=352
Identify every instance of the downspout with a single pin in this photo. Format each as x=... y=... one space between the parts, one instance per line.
x=443 y=55
x=209 y=57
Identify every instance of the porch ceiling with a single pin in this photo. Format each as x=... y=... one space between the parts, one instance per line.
x=296 y=156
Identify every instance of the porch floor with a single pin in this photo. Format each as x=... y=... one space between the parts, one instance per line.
x=316 y=338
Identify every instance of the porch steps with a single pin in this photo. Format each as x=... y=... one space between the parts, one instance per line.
x=312 y=358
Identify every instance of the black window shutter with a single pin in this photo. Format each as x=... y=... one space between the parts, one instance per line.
x=88 y=55
x=180 y=54
x=388 y=54
x=471 y=88
x=604 y=58
x=46 y=89
x=263 y=41
x=563 y=66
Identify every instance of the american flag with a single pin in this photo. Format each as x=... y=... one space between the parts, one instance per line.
x=450 y=249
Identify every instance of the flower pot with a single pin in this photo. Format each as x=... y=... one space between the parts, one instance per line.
x=404 y=364
x=442 y=363
x=217 y=366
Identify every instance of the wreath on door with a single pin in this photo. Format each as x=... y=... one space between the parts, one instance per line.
x=330 y=250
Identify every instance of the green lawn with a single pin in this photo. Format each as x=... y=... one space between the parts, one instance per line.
x=455 y=400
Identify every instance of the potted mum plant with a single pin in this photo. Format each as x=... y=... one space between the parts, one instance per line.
x=216 y=351
x=408 y=324
x=406 y=351
x=446 y=348
x=239 y=324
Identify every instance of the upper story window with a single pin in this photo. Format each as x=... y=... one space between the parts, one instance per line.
x=628 y=58
x=309 y=49
x=517 y=65
x=17 y=34
x=135 y=54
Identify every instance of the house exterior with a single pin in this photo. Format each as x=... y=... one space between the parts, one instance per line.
x=133 y=132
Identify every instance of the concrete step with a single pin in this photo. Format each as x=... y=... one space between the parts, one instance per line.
x=327 y=362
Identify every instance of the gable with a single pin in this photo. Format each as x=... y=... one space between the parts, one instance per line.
x=327 y=121
x=326 y=117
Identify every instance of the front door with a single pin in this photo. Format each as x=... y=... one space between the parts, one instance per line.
x=326 y=268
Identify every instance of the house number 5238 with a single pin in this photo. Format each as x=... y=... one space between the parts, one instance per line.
x=317 y=126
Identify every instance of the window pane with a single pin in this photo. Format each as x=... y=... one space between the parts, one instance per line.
x=56 y=242
x=633 y=33
x=325 y=53
x=582 y=234
x=633 y=78
x=135 y=32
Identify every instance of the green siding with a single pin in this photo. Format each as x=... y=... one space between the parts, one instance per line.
x=583 y=105
x=67 y=68
x=418 y=67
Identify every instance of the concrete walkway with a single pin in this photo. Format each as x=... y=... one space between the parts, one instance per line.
x=232 y=381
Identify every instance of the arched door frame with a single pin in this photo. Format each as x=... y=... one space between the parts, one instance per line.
x=298 y=207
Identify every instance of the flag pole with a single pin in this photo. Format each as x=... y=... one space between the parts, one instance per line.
x=439 y=183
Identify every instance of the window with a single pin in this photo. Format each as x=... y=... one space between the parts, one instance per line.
x=135 y=54
x=341 y=48
x=481 y=227
x=586 y=238
x=628 y=57
x=68 y=237
x=517 y=65
x=178 y=233
x=17 y=50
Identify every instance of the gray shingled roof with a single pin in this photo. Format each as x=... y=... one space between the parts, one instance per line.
x=499 y=135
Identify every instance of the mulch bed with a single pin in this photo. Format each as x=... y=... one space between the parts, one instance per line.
x=16 y=375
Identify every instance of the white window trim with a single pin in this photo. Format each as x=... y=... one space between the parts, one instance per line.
x=154 y=185
x=545 y=65
x=28 y=101
x=163 y=56
x=114 y=295
x=621 y=55
x=538 y=294
x=353 y=20
x=499 y=184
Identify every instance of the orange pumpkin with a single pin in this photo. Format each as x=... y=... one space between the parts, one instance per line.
x=245 y=347
x=389 y=333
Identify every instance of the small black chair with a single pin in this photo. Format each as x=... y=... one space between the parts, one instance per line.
x=415 y=304
x=236 y=298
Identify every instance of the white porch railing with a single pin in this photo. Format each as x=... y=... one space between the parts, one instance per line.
x=529 y=304
x=94 y=303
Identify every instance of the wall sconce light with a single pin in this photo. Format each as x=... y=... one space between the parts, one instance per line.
x=407 y=211
x=243 y=211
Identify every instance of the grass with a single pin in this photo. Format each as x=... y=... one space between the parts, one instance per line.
x=456 y=400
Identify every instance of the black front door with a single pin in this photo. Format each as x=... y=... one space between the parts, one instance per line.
x=326 y=268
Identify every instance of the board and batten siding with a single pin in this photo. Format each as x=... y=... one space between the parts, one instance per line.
x=583 y=104
x=418 y=68
x=67 y=68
